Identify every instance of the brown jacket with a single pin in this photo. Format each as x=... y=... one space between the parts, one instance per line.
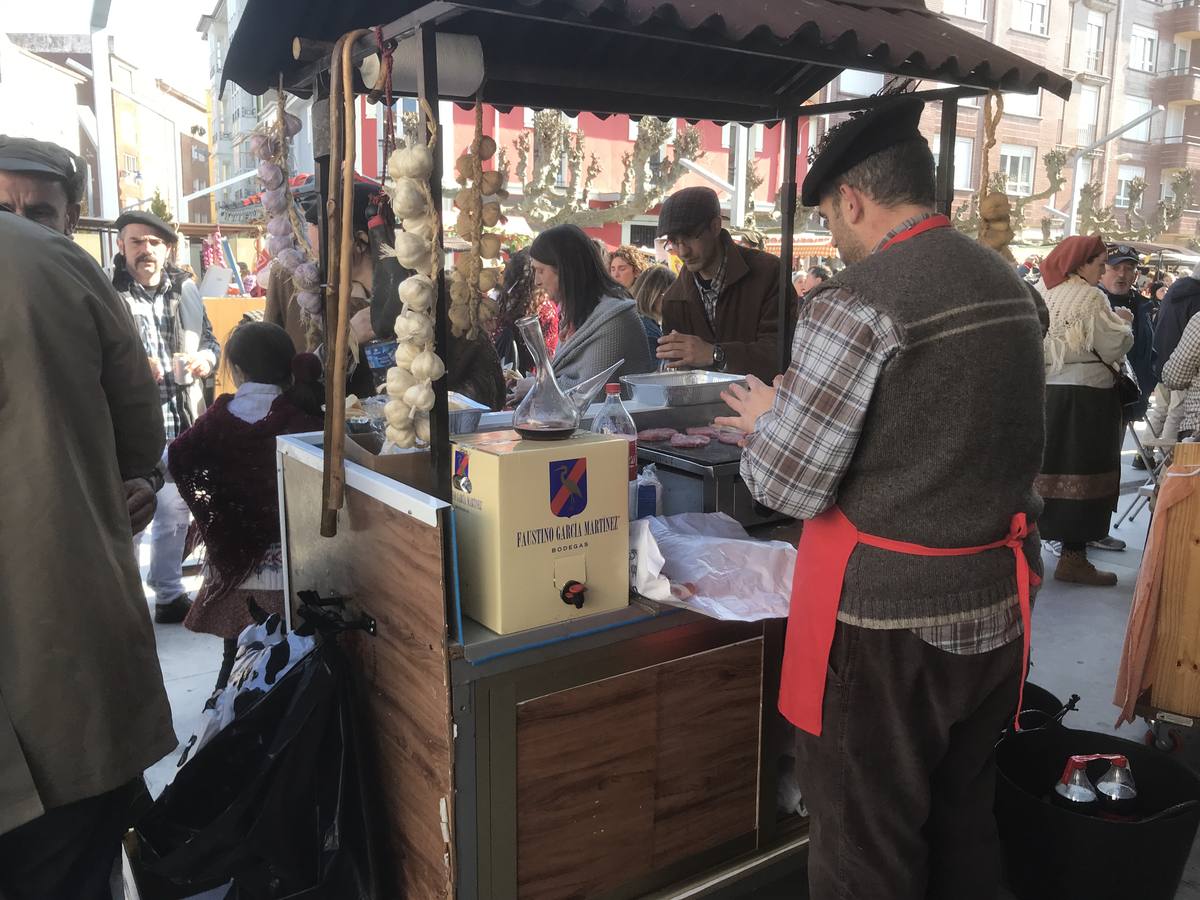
x=82 y=704
x=747 y=326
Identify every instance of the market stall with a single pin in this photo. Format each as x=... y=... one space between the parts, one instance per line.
x=610 y=753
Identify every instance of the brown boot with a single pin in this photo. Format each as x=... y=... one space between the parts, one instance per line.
x=1073 y=566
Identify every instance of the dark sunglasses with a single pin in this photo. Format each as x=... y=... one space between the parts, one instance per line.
x=1122 y=250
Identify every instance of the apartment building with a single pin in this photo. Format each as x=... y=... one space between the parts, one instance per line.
x=1125 y=57
x=235 y=114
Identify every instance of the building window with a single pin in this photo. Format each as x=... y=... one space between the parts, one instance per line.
x=1027 y=105
x=1135 y=107
x=1089 y=115
x=1094 y=44
x=1031 y=15
x=860 y=84
x=1175 y=116
x=1143 y=48
x=972 y=102
x=964 y=161
x=1126 y=174
x=130 y=163
x=642 y=235
x=967 y=9
x=672 y=129
x=199 y=154
x=1181 y=52
x=1016 y=163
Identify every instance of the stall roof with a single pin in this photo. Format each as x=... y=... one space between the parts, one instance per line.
x=746 y=61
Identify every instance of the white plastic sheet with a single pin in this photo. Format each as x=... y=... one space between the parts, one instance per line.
x=706 y=562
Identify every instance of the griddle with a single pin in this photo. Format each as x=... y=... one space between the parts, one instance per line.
x=715 y=454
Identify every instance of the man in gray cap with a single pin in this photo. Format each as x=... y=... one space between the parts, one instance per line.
x=169 y=314
x=42 y=182
x=723 y=312
x=907 y=433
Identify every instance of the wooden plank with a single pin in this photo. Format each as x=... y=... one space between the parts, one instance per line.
x=585 y=787
x=391 y=566
x=225 y=313
x=709 y=720
x=1174 y=664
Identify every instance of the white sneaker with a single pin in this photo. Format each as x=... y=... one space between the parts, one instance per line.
x=1055 y=547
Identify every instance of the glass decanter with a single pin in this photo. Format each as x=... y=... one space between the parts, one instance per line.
x=548 y=413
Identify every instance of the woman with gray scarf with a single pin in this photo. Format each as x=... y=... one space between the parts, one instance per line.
x=600 y=323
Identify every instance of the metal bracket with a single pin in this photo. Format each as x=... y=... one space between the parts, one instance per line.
x=336 y=622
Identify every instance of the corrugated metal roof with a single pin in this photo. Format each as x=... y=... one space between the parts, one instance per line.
x=748 y=60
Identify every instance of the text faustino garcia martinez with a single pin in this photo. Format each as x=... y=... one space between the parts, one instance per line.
x=570 y=531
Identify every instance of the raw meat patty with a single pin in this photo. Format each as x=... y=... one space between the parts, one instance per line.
x=690 y=441
x=731 y=437
x=655 y=435
x=707 y=430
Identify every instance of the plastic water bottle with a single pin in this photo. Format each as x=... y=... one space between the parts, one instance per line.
x=614 y=418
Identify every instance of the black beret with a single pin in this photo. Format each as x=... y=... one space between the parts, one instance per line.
x=18 y=154
x=688 y=210
x=861 y=136
x=140 y=217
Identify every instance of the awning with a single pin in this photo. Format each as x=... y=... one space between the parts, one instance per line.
x=710 y=59
x=802 y=249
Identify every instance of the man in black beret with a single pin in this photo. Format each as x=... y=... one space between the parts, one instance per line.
x=170 y=318
x=723 y=312
x=42 y=181
x=907 y=433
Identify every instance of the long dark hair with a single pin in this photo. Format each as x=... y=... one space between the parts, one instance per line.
x=582 y=278
x=266 y=355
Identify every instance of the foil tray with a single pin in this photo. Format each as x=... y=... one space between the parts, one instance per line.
x=692 y=388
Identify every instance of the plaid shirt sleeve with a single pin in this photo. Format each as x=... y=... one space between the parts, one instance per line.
x=800 y=449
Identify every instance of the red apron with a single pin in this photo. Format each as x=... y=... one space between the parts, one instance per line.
x=823 y=554
x=821 y=559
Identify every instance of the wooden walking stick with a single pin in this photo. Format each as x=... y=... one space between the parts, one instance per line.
x=340 y=209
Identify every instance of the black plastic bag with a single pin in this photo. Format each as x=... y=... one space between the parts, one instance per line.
x=274 y=803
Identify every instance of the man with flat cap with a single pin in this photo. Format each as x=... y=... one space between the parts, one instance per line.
x=42 y=181
x=170 y=318
x=722 y=312
x=907 y=433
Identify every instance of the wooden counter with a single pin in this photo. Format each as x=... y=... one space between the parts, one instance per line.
x=611 y=757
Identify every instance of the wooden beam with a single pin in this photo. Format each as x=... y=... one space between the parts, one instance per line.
x=945 y=170
x=787 y=200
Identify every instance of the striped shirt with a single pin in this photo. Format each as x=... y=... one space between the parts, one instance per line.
x=801 y=448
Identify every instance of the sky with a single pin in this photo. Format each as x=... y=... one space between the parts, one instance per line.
x=160 y=38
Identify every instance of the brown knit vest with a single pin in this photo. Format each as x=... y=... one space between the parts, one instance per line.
x=953 y=438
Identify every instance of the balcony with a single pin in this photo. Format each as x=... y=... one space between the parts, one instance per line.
x=1180 y=19
x=1177 y=86
x=1085 y=135
x=1180 y=152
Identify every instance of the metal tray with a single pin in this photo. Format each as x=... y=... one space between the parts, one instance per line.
x=679 y=388
x=465 y=421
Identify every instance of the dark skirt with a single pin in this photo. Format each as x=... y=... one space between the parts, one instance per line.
x=1081 y=466
x=228 y=616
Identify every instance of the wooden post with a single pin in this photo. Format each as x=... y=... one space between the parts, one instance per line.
x=945 y=170
x=787 y=197
x=427 y=103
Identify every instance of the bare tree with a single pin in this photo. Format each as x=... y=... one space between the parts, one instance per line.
x=557 y=173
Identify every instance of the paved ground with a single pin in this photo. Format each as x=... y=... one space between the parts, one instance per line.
x=1078 y=633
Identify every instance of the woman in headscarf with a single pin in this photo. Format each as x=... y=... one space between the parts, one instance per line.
x=1080 y=478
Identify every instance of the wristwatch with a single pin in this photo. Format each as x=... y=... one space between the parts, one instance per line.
x=718 y=357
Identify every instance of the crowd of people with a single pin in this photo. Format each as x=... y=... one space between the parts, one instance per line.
x=1032 y=420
